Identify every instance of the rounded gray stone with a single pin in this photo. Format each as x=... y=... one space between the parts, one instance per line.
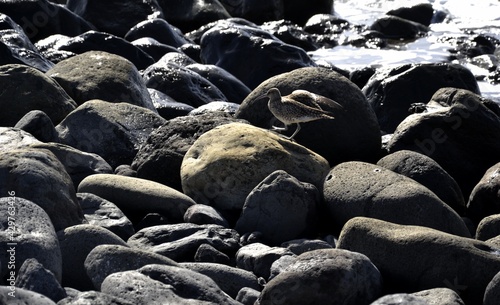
x=138 y=196
x=104 y=76
x=37 y=175
x=34 y=237
x=181 y=241
x=309 y=280
x=114 y=131
x=258 y=258
x=361 y=189
x=104 y=260
x=492 y=293
x=34 y=277
x=400 y=299
x=427 y=172
x=25 y=89
x=22 y=297
x=162 y=284
x=280 y=207
x=437 y=258
x=76 y=242
x=440 y=296
x=230 y=279
x=101 y=212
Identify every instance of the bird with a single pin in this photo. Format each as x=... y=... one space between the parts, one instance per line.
x=298 y=107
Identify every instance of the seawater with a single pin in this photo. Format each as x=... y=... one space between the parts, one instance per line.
x=464 y=18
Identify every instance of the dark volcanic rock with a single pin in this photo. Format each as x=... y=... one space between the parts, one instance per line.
x=22 y=297
x=78 y=164
x=104 y=260
x=325 y=24
x=180 y=83
x=31 y=90
x=201 y=214
x=34 y=237
x=394 y=27
x=247 y=296
x=153 y=48
x=37 y=175
x=437 y=257
x=208 y=254
x=258 y=258
x=76 y=242
x=13 y=138
x=114 y=131
x=115 y=17
x=281 y=208
x=232 y=88
x=256 y=55
x=189 y=15
x=93 y=298
x=167 y=107
x=492 y=293
x=104 y=76
x=160 y=284
x=99 y=41
x=40 y=18
x=291 y=33
x=360 y=189
x=421 y=13
x=180 y=241
x=485 y=197
x=103 y=213
x=440 y=296
x=299 y=246
x=138 y=197
x=390 y=92
x=160 y=157
x=48 y=48
x=488 y=228
x=230 y=279
x=427 y=172
x=255 y=11
x=16 y=48
x=353 y=135
x=34 y=277
x=158 y=29
x=400 y=299
x=227 y=107
x=38 y=124
x=459 y=132
x=308 y=280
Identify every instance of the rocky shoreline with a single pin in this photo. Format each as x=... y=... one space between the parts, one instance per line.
x=137 y=164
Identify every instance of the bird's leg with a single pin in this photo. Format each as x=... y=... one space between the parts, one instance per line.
x=295 y=132
x=279 y=128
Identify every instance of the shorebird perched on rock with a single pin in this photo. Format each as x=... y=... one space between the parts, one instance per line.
x=298 y=107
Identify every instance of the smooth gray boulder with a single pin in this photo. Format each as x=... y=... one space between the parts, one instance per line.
x=437 y=258
x=361 y=189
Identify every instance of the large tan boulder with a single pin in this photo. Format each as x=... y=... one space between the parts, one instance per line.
x=225 y=164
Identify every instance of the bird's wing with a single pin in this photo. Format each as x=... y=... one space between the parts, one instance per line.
x=314 y=100
x=307 y=98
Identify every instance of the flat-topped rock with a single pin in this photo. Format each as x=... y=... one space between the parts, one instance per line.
x=138 y=196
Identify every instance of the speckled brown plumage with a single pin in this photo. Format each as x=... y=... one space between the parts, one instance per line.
x=298 y=107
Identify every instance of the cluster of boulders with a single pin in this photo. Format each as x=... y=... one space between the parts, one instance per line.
x=137 y=164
